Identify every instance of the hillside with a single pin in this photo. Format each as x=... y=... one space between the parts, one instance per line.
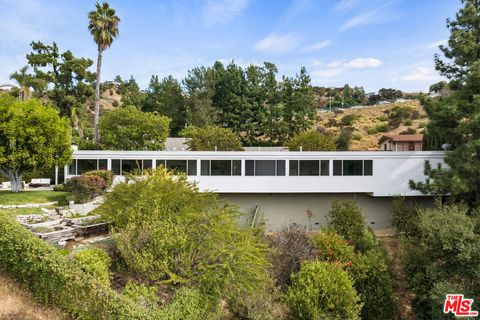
x=371 y=122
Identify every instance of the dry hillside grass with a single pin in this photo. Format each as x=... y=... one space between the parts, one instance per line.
x=368 y=118
x=17 y=304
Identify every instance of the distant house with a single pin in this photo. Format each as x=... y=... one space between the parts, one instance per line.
x=405 y=142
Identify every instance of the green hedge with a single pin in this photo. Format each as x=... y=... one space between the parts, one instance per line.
x=57 y=280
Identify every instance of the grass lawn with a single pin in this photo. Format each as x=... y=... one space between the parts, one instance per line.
x=24 y=197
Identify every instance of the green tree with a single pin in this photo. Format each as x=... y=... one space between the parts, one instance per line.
x=130 y=91
x=131 y=129
x=166 y=98
x=322 y=290
x=346 y=218
x=168 y=231
x=32 y=135
x=454 y=119
x=25 y=81
x=103 y=25
x=312 y=141
x=211 y=138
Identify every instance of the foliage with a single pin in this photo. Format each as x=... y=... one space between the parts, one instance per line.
x=349 y=119
x=53 y=279
x=312 y=141
x=454 y=119
x=211 y=138
x=373 y=281
x=85 y=188
x=96 y=262
x=103 y=26
x=443 y=250
x=166 y=98
x=188 y=303
x=130 y=91
x=145 y=296
x=332 y=247
x=250 y=101
x=107 y=175
x=33 y=136
x=131 y=129
x=290 y=247
x=404 y=217
x=346 y=218
x=322 y=291
x=344 y=138
x=168 y=231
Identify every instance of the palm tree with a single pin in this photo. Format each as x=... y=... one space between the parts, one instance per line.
x=24 y=81
x=103 y=26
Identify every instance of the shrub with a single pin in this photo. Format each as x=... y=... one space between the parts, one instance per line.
x=168 y=231
x=322 y=290
x=107 y=175
x=349 y=119
x=59 y=187
x=96 y=262
x=53 y=279
x=409 y=131
x=290 y=247
x=211 y=137
x=404 y=217
x=344 y=138
x=312 y=141
x=332 y=247
x=382 y=127
x=346 y=218
x=115 y=104
x=84 y=188
x=373 y=281
x=188 y=303
x=408 y=122
x=141 y=294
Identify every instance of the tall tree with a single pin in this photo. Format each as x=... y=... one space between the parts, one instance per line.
x=32 y=136
x=103 y=26
x=166 y=98
x=454 y=120
x=25 y=81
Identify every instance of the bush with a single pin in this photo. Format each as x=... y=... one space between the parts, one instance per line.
x=84 y=188
x=409 y=131
x=290 y=247
x=322 y=291
x=349 y=119
x=312 y=141
x=404 y=217
x=141 y=294
x=374 y=283
x=115 y=104
x=107 y=175
x=168 y=231
x=333 y=248
x=211 y=137
x=443 y=250
x=188 y=303
x=54 y=279
x=347 y=220
x=96 y=262
x=59 y=187
x=408 y=122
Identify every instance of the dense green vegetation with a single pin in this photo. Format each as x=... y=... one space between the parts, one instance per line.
x=312 y=141
x=211 y=138
x=454 y=119
x=33 y=135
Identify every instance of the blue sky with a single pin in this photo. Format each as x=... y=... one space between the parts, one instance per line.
x=369 y=43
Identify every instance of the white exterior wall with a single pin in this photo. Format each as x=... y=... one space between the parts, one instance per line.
x=391 y=171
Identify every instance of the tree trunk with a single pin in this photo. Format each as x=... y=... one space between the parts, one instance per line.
x=96 y=111
x=15 y=178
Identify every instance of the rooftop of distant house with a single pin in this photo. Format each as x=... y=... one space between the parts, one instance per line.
x=402 y=137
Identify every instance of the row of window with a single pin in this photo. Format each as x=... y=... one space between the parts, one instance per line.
x=232 y=167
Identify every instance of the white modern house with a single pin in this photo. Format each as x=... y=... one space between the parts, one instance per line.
x=281 y=187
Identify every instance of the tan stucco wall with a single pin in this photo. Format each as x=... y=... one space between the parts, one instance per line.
x=279 y=210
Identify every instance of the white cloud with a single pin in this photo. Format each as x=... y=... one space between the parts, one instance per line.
x=361 y=19
x=318 y=46
x=420 y=74
x=339 y=67
x=362 y=63
x=278 y=43
x=222 y=11
x=344 y=5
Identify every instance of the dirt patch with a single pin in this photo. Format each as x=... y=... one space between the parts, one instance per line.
x=17 y=304
x=403 y=294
